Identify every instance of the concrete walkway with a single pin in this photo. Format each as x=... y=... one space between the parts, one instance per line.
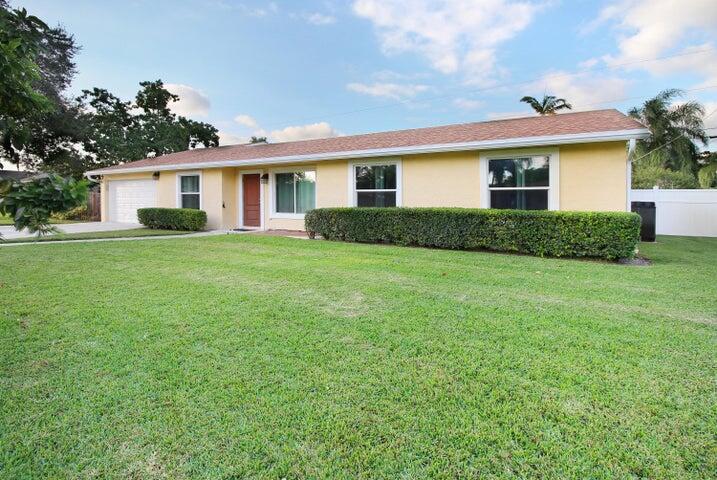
x=125 y=239
x=9 y=232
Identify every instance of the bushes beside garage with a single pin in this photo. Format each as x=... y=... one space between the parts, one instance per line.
x=607 y=235
x=172 y=218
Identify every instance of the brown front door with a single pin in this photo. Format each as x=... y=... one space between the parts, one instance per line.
x=250 y=200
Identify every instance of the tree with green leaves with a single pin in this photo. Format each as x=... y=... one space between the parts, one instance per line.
x=120 y=131
x=46 y=132
x=19 y=34
x=674 y=129
x=649 y=171
x=549 y=105
x=255 y=140
x=42 y=129
x=32 y=201
x=707 y=174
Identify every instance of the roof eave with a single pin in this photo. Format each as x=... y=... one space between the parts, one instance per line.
x=592 y=137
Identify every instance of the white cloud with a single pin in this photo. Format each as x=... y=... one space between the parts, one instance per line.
x=303 y=132
x=192 y=102
x=319 y=18
x=388 y=90
x=456 y=36
x=227 y=138
x=585 y=91
x=246 y=120
x=251 y=11
x=589 y=63
x=649 y=29
x=287 y=134
x=391 y=76
x=467 y=103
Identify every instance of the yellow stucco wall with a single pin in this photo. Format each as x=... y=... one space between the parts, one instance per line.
x=441 y=180
x=230 y=197
x=593 y=176
x=167 y=190
x=212 y=195
x=332 y=184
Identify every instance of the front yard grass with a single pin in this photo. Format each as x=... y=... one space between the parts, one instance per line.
x=7 y=220
x=129 y=233
x=245 y=356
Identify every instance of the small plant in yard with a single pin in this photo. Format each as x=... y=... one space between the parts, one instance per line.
x=32 y=201
x=173 y=218
x=80 y=212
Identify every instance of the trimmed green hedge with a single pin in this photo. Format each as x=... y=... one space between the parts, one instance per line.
x=172 y=218
x=609 y=235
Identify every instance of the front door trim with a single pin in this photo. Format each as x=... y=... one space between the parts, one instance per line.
x=240 y=201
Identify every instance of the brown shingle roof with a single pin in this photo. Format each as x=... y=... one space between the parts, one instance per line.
x=563 y=124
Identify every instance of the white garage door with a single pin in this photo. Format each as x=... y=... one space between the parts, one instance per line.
x=126 y=196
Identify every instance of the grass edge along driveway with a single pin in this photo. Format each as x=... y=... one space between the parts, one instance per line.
x=245 y=356
x=129 y=233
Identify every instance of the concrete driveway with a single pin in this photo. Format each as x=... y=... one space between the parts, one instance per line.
x=8 y=231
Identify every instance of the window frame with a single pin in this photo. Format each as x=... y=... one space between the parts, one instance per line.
x=179 y=188
x=553 y=187
x=353 y=192
x=272 y=191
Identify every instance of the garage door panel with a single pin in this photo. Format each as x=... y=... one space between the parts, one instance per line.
x=126 y=196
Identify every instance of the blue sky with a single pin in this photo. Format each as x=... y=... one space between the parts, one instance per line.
x=294 y=70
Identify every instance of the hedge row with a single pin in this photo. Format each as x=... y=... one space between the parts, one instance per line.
x=172 y=218
x=609 y=235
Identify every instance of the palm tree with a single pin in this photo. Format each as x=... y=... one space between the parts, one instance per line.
x=548 y=106
x=673 y=129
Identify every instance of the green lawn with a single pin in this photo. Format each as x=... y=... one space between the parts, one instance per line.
x=131 y=232
x=243 y=356
x=6 y=220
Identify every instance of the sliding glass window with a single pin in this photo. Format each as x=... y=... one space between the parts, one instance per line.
x=295 y=192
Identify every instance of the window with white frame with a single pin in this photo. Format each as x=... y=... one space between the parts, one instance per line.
x=190 y=191
x=521 y=183
x=376 y=185
x=294 y=192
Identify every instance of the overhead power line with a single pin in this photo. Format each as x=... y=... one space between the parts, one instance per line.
x=500 y=86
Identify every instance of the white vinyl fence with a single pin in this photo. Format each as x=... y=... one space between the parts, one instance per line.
x=682 y=212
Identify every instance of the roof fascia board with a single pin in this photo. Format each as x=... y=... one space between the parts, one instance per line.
x=609 y=136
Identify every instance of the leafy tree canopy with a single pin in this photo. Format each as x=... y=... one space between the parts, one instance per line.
x=42 y=129
x=549 y=105
x=37 y=122
x=674 y=129
x=650 y=171
x=19 y=34
x=120 y=131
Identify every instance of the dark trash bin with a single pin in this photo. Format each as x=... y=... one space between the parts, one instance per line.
x=646 y=210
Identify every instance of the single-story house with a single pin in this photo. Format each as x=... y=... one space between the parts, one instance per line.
x=573 y=161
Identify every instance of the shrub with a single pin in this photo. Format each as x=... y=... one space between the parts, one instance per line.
x=78 y=213
x=648 y=177
x=609 y=235
x=172 y=218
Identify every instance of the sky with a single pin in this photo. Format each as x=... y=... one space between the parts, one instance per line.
x=305 y=69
